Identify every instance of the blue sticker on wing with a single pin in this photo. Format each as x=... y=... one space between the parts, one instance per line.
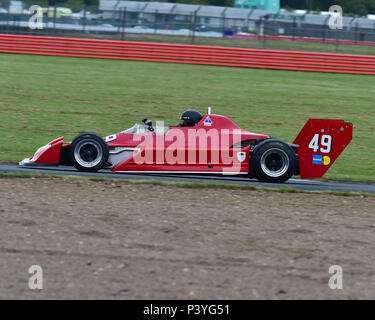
x=317 y=159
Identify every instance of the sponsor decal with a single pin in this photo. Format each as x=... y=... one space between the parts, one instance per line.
x=326 y=160
x=319 y=159
x=241 y=156
x=207 y=121
x=110 y=138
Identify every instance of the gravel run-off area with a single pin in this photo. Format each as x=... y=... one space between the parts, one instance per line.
x=120 y=240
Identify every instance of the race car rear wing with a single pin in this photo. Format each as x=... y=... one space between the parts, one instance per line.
x=321 y=141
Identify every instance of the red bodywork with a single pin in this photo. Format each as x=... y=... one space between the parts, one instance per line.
x=49 y=153
x=206 y=152
x=181 y=145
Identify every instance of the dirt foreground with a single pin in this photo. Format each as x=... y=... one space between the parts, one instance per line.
x=115 y=240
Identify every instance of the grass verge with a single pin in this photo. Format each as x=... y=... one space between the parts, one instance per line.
x=188 y=185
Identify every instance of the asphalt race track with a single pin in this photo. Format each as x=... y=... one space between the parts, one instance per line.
x=308 y=185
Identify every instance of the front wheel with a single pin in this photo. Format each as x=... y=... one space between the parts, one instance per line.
x=88 y=152
x=273 y=161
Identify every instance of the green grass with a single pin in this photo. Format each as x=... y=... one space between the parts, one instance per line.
x=42 y=98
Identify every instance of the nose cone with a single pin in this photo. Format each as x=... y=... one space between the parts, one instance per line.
x=48 y=154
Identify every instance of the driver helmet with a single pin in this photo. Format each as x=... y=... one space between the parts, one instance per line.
x=190 y=118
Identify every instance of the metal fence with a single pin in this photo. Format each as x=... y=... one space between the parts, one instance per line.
x=252 y=29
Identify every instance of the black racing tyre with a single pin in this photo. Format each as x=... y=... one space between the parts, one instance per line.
x=273 y=161
x=88 y=152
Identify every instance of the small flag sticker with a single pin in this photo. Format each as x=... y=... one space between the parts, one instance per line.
x=207 y=121
x=317 y=159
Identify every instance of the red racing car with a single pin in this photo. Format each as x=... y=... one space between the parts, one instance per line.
x=208 y=144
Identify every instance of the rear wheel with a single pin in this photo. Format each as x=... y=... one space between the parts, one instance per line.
x=273 y=161
x=88 y=152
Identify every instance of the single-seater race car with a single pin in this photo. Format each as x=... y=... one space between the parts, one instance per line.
x=208 y=144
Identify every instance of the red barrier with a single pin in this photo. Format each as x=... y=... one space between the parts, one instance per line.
x=302 y=39
x=177 y=53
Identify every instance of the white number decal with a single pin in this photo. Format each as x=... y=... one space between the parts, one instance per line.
x=314 y=143
x=326 y=143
